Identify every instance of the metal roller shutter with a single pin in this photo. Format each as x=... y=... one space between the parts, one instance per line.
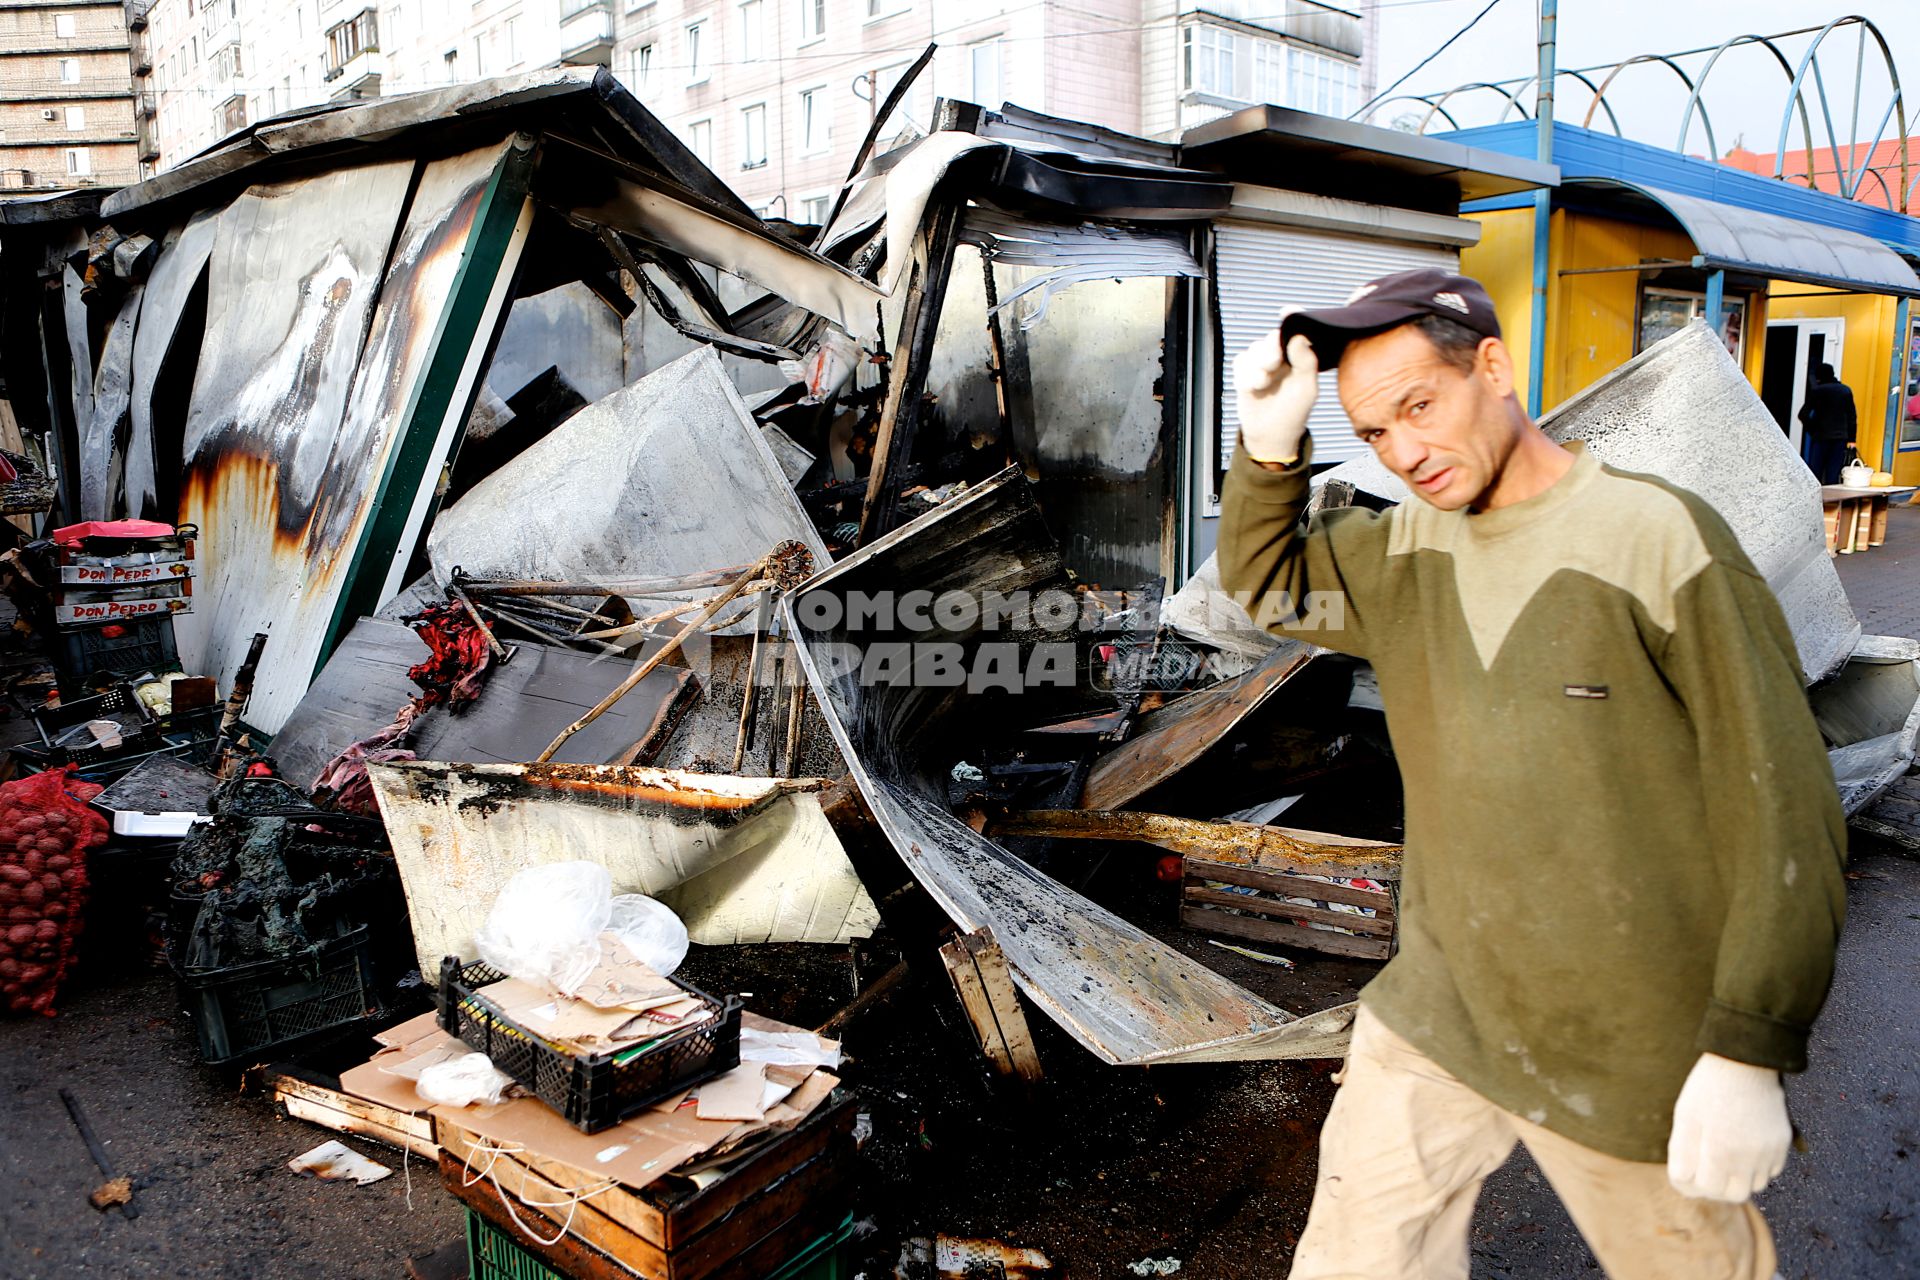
x=1261 y=268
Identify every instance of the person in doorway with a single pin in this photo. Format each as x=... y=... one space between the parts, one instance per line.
x=1828 y=418
x=1623 y=880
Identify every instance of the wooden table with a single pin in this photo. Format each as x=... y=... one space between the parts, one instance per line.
x=1857 y=518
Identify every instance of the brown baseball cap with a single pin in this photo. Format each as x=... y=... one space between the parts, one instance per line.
x=1389 y=302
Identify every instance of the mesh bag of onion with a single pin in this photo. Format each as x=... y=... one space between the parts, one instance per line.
x=46 y=829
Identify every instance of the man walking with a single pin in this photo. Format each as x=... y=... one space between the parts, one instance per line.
x=1623 y=880
x=1828 y=419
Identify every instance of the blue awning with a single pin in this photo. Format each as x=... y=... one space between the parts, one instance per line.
x=1736 y=239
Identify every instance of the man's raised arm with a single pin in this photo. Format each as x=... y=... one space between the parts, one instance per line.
x=1302 y=582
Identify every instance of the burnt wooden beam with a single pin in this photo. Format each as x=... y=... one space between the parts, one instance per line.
x=1235 y=843
x=907 y=373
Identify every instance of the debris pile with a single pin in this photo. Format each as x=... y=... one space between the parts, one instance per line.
x=594 y=570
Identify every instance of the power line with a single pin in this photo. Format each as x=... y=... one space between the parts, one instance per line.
x=1387 y=92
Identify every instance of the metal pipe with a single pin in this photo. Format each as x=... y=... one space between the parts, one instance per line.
x=1716 y=299
x=1542 y=206
x=1897 y=392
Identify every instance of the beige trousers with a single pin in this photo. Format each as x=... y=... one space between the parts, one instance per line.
x=1406 y=1147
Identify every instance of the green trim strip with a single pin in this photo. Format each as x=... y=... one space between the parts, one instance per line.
x=481 y=263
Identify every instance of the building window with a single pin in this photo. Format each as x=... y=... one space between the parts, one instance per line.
x=233 y=113
x=813 y=19
x=69 y=71
x=1910 y=402
x=76 y=117
x=813 y=210
x=1667 y=311
x=1238 y=67
x=513 y=41
x=751 y=24
x=348 y=40
x=642 y=73
x=1210 y=60
x=1316 y=83
x=816 y=125
x=984 y=61
x=753 y=136
x=79 y=162
x=63 y=26
x=700 y=140
x=1270 y=72
x=697 y=68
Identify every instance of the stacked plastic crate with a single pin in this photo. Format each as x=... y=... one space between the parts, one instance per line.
x=118 y=585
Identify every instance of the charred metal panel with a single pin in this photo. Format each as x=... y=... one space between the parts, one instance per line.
x=112 y=393
x=668 y=476
x=1124 y=995
x=182 y=261
x=751 y=252
x=440 y=309
x=740 y=859
x=297 y=422
x=293 y=275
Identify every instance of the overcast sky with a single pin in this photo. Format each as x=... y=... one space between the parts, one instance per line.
x=1745 y=93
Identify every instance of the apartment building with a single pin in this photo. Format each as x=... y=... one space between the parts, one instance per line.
x=775 y=95
x=67 y=106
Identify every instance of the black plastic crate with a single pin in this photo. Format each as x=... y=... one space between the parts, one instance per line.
x=138 y=732
x=248 y=1009
x=594 y=1091
x=84 y=654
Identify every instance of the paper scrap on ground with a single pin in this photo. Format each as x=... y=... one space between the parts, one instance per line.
x=789 y=1048
x=336 y=1161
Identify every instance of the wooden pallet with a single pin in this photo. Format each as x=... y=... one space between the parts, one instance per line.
x=765 y=1208
x=1266 y=916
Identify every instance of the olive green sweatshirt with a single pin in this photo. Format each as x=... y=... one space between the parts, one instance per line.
x=1624 y=843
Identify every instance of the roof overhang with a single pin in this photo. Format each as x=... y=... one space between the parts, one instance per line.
x=1732 y=238
x=1280 y=147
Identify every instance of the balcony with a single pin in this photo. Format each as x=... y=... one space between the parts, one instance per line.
x=361 y=81
x=147 y=143
x=146 y=104
x=137 y=14
x=138 y=58
x=345 y=75
x=586 y=33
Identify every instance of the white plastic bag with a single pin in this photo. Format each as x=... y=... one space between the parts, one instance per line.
x=463 y=1081
x=651 y=930
x=545 y=925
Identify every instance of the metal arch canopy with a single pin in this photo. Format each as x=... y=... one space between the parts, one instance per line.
x=1739 y=239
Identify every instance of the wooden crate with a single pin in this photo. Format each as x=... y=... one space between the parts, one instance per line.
x=1264 y=915
x=743 y=1224
x=318 y=1099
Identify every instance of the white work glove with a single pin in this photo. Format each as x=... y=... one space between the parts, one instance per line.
x=1730 y=1130
x=1275 y=395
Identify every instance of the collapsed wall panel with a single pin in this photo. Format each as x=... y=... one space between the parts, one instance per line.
x=740 y=859
x=666 y=477
x=292 y=278
x=183 y=259
x=1123 y=994
x=308 y=395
